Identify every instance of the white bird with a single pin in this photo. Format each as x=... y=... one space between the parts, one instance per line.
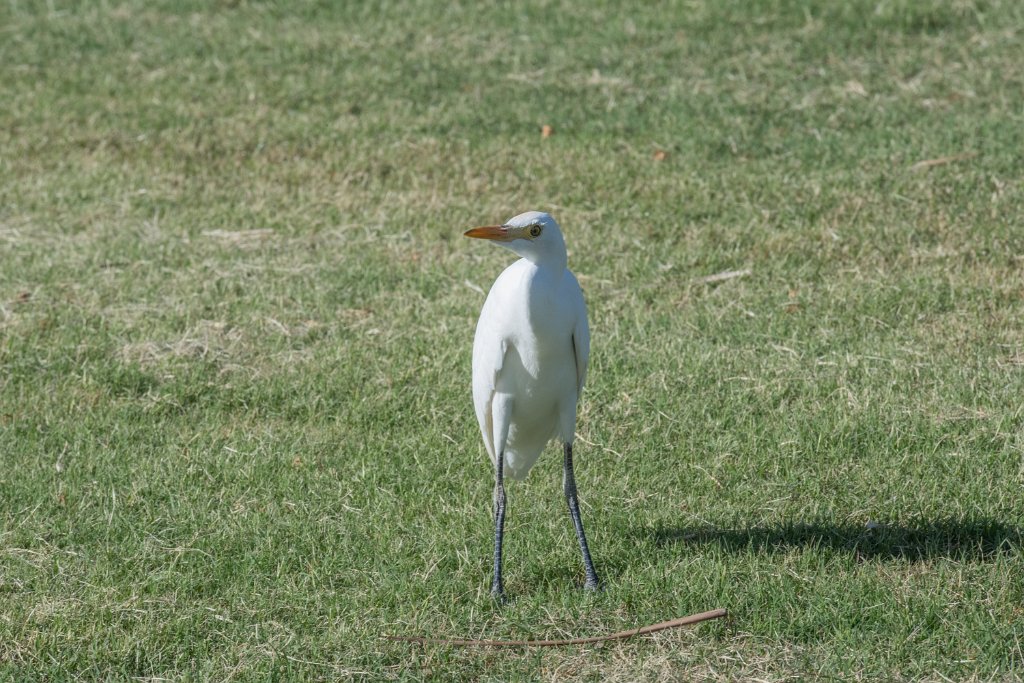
x=529 y=362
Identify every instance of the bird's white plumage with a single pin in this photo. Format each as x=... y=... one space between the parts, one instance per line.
x=531 y=348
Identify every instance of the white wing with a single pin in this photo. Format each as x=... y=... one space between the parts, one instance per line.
x=488 y=359
x=581 y=343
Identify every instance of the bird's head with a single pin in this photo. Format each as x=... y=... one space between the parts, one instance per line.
x=534 y=235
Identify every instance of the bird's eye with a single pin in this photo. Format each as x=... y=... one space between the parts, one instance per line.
x=535 y=231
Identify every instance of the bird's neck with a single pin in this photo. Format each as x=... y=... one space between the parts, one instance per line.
x=556 y=262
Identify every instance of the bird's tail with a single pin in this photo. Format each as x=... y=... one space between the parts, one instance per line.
x=519 y=463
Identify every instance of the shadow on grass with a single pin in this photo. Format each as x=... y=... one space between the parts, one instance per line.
x=965 y=540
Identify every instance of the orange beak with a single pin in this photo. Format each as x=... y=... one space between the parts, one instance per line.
x=498 y=233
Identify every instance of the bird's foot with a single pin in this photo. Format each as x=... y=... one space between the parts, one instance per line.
x=592 y=585
x=498 y=593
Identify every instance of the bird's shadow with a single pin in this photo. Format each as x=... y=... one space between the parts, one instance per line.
x=974 y=540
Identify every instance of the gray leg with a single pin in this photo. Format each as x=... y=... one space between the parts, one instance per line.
x=569 y=485
x=497 y=587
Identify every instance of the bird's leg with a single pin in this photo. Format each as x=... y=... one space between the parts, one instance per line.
x=569 y=486
x=497 y=587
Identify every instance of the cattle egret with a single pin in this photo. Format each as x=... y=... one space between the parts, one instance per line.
x=529 y=362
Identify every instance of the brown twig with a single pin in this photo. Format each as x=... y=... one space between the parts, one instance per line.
x=721 y=277
x=674 y=623
x=928 y=163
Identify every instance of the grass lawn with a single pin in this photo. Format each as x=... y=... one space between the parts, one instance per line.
x=236 y=311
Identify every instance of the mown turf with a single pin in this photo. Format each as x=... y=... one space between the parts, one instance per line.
x=236 y=313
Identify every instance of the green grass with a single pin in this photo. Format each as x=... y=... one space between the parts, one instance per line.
x=236 y=311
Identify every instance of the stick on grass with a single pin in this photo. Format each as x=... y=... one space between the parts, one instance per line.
x=621 y=635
